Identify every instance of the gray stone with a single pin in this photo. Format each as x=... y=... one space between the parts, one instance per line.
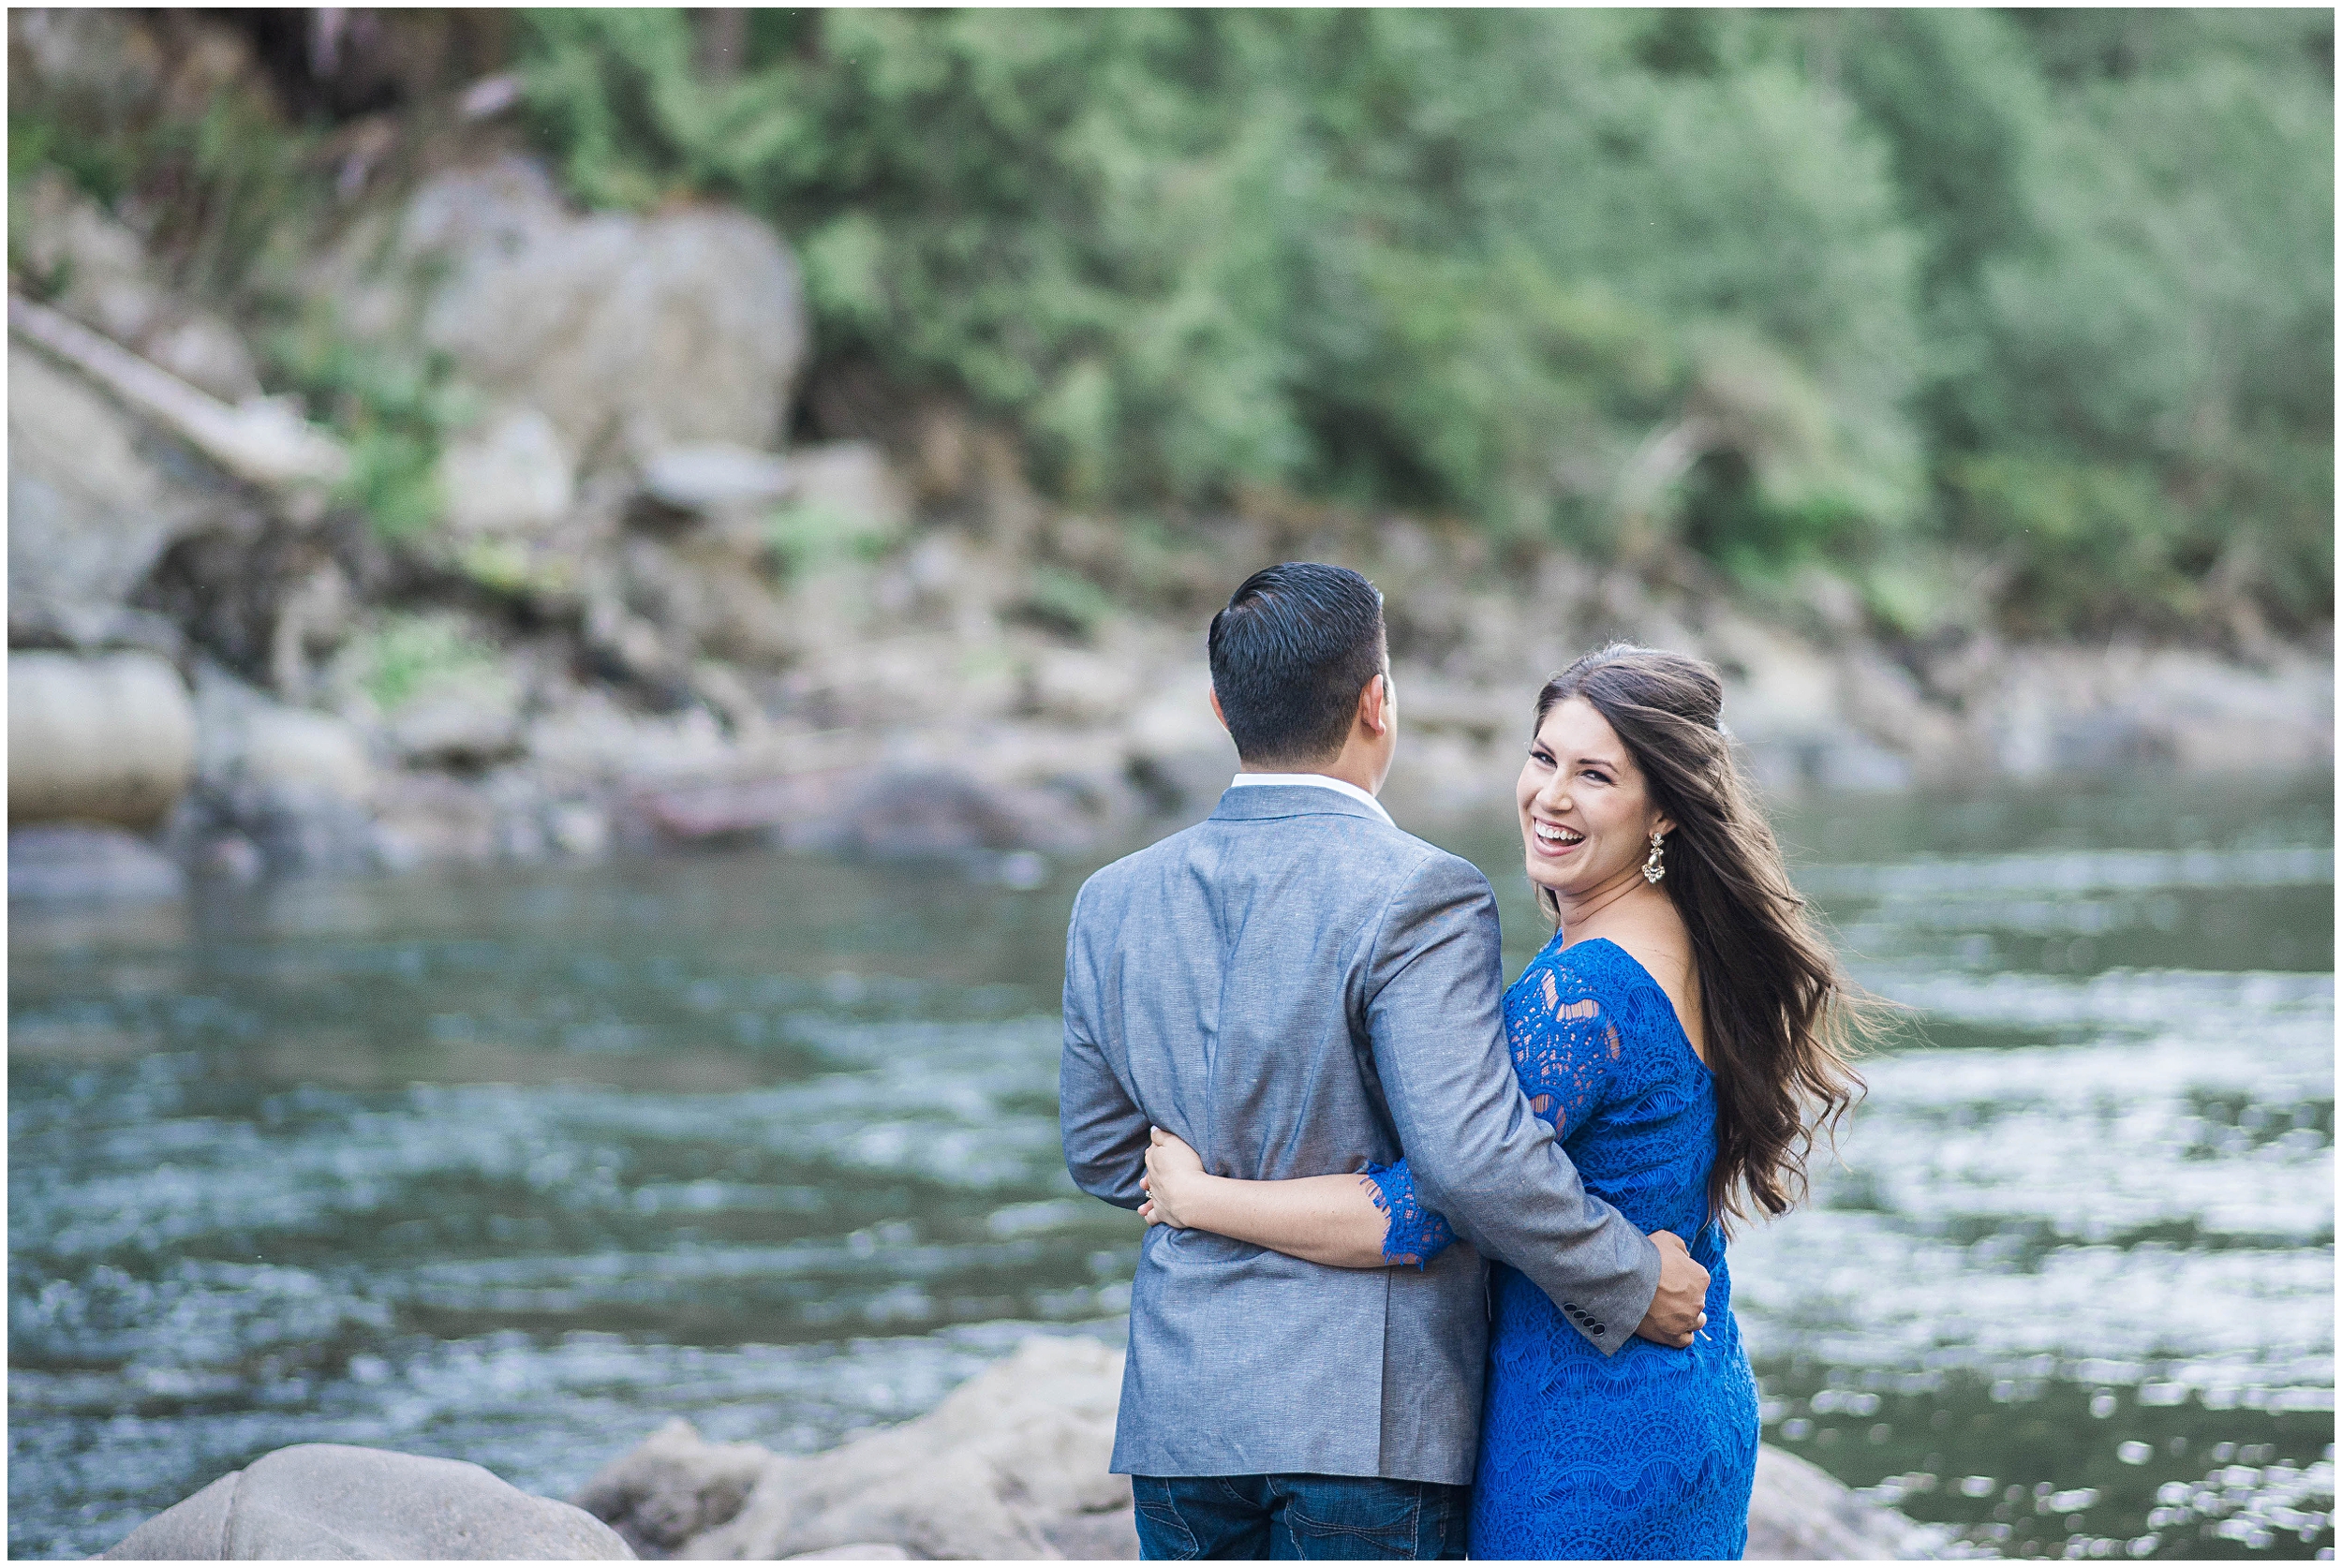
x=575 y=828
x=712 y=475
x=1801 y=1513
x=246 y=738
x=673 y=1486
x=206 y=353
x=94 y=629
x=229 y=857
x=459 y=726
x=631 y=333
x=72 y=863
x=850 y=481
x=1857 y=765
x=509 y=476
x=1078 y=686
x=859 y=1551
x=298 y=783
x=704 y=594
x=88 y=514
x=337 y=1503
x=110 y=738
x=1012 y=1455
x=917 y=815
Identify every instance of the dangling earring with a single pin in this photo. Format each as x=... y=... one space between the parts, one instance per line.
x=1656 y=866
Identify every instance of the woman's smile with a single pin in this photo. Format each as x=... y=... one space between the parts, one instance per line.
x=1552 y=840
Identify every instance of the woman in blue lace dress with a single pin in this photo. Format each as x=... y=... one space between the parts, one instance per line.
x=1683 y=1033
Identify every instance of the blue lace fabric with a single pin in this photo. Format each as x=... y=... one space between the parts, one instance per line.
x=1650 y=1452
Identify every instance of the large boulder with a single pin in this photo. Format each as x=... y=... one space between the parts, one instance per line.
x=104 y=739
x=298 y=784
x=332 y=1502
x=89 y=514
x=630 y=333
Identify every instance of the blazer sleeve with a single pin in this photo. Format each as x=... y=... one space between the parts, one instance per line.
x=1103 y=1131
x=1432 y=981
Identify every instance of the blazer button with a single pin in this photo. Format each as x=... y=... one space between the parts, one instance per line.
x=1600 y=1329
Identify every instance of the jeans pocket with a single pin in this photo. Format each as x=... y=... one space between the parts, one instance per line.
x=1162 y=1534
x=1361 y=1519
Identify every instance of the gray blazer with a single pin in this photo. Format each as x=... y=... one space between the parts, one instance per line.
x=1296 y=988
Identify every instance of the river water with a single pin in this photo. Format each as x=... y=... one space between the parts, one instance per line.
x=514 y=1166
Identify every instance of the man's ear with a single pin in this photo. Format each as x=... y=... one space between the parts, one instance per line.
x=1217 y=714
x=1374 y=704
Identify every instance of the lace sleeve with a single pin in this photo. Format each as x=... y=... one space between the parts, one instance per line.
x=1416 y=1234
x=1564 y=1045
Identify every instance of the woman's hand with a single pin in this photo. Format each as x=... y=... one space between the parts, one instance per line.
x=1175 y=1175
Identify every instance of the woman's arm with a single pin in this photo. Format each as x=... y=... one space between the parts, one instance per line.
x=1339 y=1221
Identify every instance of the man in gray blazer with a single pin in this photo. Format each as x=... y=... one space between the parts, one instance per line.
x=1295 y=987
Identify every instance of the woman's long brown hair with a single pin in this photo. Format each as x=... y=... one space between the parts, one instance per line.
x=1782 y=1020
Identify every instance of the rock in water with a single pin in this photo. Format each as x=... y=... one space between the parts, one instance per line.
x=77 y=862
x=299 y=784
x=1012 y=1465
x=109 y=739
x=674 y=1486
x=331 y=1500
x=1801 y=1513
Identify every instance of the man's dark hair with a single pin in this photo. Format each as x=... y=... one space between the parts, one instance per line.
x=1289 y=657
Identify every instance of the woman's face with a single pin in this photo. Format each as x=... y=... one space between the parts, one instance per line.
x=1586 y=817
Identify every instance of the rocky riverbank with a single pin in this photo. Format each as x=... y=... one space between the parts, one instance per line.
x=623 y=610
x=1012 y=1465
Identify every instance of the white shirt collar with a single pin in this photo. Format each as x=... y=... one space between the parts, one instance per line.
x=1320 y=782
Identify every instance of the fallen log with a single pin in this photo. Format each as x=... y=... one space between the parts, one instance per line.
x=260 y=441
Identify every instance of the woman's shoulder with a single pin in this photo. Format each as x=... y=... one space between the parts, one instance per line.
x=1602 y=965
x=1604 y=972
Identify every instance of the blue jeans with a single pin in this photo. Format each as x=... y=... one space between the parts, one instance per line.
x=1281 y=1517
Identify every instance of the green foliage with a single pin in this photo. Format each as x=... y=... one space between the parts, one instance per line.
x=2054 y=286
x=808 y=537
x=2040 y=300
x=1065 y=603
x=1453 y=261
x=394 y=412
x=409 y=654
x=232 y=190
x=218 y=182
